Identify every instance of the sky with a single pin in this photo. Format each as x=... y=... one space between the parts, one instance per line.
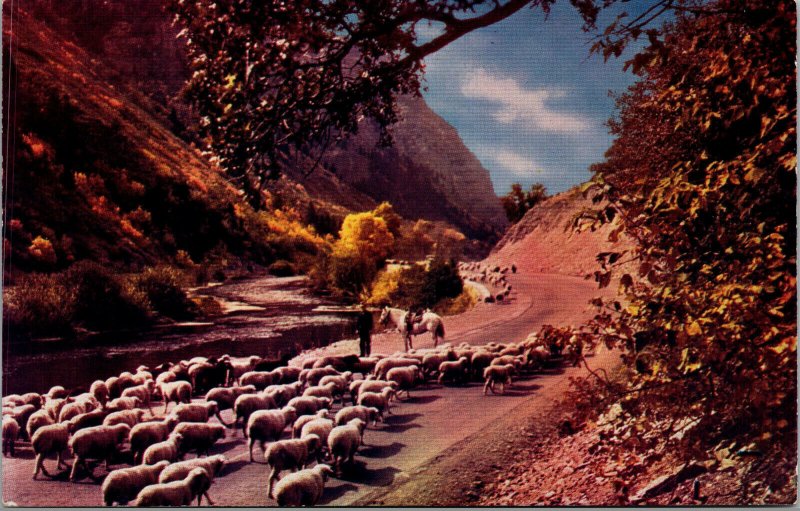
x=526 y=97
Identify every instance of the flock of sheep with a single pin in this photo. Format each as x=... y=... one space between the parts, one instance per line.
x=114 y=420
x=491 y=274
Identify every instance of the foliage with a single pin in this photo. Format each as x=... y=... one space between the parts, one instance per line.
x=468 y=298
x=702 y=174
x=516 y=202
x=40 y=305
x=163 y=287
x=418 y=286
x=281 y=268
x=393 y=220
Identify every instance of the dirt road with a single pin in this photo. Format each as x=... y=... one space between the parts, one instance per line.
x=451 y=427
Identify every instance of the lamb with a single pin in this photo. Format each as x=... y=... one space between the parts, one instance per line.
x=312 y=376
x=37 y=419
x=123 y=403
x=54 y=406
x=99 y=390
x=143 y=392
x=179 y=471
x=364 y=413
x=199 y=437
x=431 y=361
x=129 y=417
x=359 y=386
x=405 y=377
x=246 y=404
x=301 y=421
x=259 y=379
x=302 y=488
x=10 y=434
x=290 y=455
x=177 y=391
x=88 y=420
x=99 y=442
x=146 y=434
x=225 y=397
x=196 y=412
x=454 y=371
x=50 y=439
x=122 y=485
x=377 y=400
x=383 y=365
x=309 y=405
x=517 y=361
x=343 y=442
x=176 y=493
x=287 y=374
x=283 y=393
x=265 y=425
x=497 y=374
x=341 y=381
x=321 y=391
x=167 y=450
x=320 y=427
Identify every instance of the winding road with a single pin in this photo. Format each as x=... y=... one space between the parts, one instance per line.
x=434 y=423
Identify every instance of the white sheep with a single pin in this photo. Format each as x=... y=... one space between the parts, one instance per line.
x=246 y=404
x=73 y=409
x=129 y=417
x=167 y=450
x=321 y=391
x=146 y=434
x=405 y=377
x=32 y=398
x=88 y=420
x=144 y=392
x=287 y=374
x=364 y=413
x=10 y=433
x=284 y=392
x=57 y=392
x=50 y=439
x=259 y=379
x=123 y=403
x=165 y=377
x=265 y=425
x=313 y=376
x=37 y=419
x=175 y=493
x=431 y=361
x=309 y=405
x=239 y=366
x=199 y=437
x=99 y=390
x=196 y=412
x=359 y=386
x=302 y=488
x=177 y=391
x=225 y=397
x=377 y=400
x=320 y=427
x=54 y=407
x=454 y=371
x=340 y=380
x=343 y=442
x=497 y=374
x=292 y=455
x=124 y=484
x=383 y=365
x=178 y=471
x=301 y=421
x=99 y=442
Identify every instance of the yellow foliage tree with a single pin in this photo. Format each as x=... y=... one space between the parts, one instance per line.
x=367 y=235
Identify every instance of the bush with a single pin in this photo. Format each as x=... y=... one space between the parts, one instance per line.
x=162 y=287
x=281 y=268
x=38 y=305
x=417 y=286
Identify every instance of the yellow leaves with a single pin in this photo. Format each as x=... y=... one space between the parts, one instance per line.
x=694 y=328
x=633 y=310
x=230 y=81
x=787 y=343
x=365 y=234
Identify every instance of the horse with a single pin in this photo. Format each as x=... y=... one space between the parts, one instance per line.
x=431 y=322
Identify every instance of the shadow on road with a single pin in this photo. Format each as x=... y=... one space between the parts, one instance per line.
x=381 y=451
x=234 y=466
x=334 y=492
x=358 y=472
x=401 y=418
x=399 y=428
x=421 y=399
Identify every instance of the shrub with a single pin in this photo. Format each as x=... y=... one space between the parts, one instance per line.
x=38 y=305
x=162 y=287
x=281 y=268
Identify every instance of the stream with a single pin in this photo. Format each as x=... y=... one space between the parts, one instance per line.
x=264 y=316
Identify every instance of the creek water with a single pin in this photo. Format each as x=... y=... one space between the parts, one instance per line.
x=265 y=316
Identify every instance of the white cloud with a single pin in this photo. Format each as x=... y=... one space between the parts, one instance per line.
x=513 y=162
x=526 y=108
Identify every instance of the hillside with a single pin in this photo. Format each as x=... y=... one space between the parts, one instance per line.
x=544 y=242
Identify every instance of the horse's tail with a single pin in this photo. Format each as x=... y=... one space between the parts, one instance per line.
x=440 y=329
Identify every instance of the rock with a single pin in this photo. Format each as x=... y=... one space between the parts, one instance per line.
x=667 y=483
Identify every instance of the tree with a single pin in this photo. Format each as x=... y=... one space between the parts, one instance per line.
x=703 y=177
x=363 y=245
x=275 y=78
x=516 y=202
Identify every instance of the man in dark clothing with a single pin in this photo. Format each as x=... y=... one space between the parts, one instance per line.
x=364 y=328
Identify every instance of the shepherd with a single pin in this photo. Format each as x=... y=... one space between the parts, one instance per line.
x=429 y=322
x=364 y=328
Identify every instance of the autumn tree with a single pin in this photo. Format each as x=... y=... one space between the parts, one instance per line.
x=363 y=245
x=517 y=202
x=703 y=177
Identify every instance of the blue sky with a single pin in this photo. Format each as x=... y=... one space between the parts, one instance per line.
x=526 y=97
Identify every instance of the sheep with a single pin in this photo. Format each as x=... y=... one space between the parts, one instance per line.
x=225 y=397
x=146 y=434
x=454 y=371
x=50 y=439
x=165 y=377
x=266 y=425
x=365 y=365
x=343 y=442
x=516 y=361
x=116 y=384
x=497 y=374
x=321 y=391
x=309 y=405
x=87 y=399
x=142 y=376
x=377 y=400
x=338 y=362
x=431 y=361
x=178 y=471
x=70 y=410
x=312 y=376
x=292 y=454
x=21 y=414
x=177 y=391
x=37 y=419
x=287 y=374
x=123 y=403
x=383 y=365
x=196 y=412
x=341 y=381
x=88 y=420
x=143 y=392
x=10 y=433
x=57 y=392
x=176 y=493
x=259 y=379
x=99 y=390
x=246 y=404
x=129 y=417
x=301 y=421
x=302 y=488
x=239 y=366
x=359 y=386
x=405 y=377
x=123 y=485
x=32 y=398
x=364 y=413
x=320 y=427
x=167 y=450
x=99 y=442
x=511 y=349
x=481 y=360
x=283 y=393
x=199 y=437
x=210 y=374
